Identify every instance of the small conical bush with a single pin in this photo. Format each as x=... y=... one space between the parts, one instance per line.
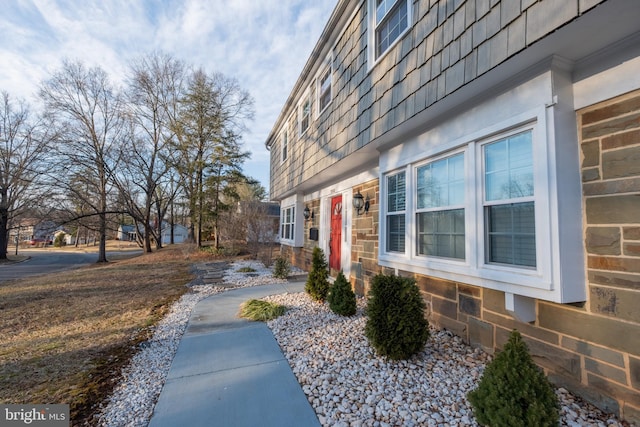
x=396 y=327
x=513 y=391
x=317 y=285
x=341 y=298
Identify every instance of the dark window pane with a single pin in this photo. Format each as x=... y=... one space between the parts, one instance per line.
x=509 y=167
x=441 y=233
x=395 y=233
x=511 y=234
x=389 y=27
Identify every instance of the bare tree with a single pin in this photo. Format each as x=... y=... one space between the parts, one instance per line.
x=259 y=228
x=86 y=109
x=154 y=87
x=23 y=151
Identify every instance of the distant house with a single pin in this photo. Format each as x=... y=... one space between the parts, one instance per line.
x=180 y=234
x=68 y=239
x=127 y=233
x=32 y=229
x=490 y=150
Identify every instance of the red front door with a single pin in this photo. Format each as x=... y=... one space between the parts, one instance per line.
x=335 y=235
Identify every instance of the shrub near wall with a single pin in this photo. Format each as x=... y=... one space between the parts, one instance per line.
x=513 y=391
x=341 y=298
x=396 y=326
x=317 y=285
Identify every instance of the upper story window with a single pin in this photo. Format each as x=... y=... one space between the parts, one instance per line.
x=324 y=89
x=392 y=18
x=305 y=114
x=285 y=145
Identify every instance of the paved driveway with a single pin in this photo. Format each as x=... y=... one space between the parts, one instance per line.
x=44 y=261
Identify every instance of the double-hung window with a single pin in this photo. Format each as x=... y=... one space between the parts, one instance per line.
x=324 y=89
x=391 y=20
x=305 y=114
x=510 y=232
x=285 y=145
x=493 y=199
x=395 y=214
x=287 y=223
x=440 y=208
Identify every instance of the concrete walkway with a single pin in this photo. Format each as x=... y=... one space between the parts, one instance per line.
x=231 y=372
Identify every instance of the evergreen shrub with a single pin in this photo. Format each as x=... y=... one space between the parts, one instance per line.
x=317 y=285
x=396 y=326
x=281 y=268
x=59 y=242
x=341 y=298
x=513 y=391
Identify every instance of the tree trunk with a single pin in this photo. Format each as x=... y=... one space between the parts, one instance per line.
x=172 y=223
x=4 y=223
x=102 y=249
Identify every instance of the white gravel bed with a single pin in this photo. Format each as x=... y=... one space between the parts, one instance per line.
x=345 y=382
x=348 y=385
x=135 y=396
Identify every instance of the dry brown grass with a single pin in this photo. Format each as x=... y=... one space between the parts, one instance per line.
x=64 y=337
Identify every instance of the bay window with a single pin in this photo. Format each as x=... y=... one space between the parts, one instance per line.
x=473 y=212
x=493 y=196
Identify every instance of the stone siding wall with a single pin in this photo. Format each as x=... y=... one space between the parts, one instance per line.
x=298 y=257
x=593 y=348
x=610 y=141
x=364 y=239
x=450 y=44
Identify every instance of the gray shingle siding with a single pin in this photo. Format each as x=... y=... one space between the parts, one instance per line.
x=451 y=43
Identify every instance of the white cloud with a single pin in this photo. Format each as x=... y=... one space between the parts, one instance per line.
x=263 y=44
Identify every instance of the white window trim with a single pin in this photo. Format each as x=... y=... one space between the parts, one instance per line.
x=371 y=32
x=408 y=204
x=298 y=221
x=415 y=211
x=284 y=135
x=283 y=211
x=474 y=264
x=323 y=70
x=538 y=282
x=305 y=98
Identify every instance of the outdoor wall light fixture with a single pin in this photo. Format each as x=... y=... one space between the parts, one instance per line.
x=360 y=204
x=307 y=213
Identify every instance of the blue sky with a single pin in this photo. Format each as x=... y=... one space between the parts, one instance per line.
x=262 y=43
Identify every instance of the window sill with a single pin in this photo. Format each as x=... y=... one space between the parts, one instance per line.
x=519 y=281
x=371 y=64
x=323 y=110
